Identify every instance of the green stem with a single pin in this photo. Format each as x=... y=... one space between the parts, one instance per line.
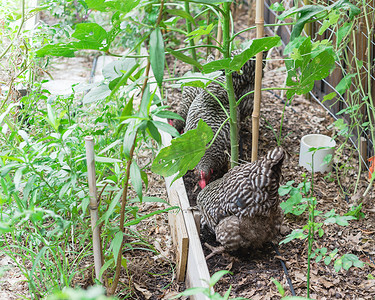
x=229 y=86
x=191 y=41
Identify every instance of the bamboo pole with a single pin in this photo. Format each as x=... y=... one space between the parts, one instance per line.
x=89 y=143
x=259 y=22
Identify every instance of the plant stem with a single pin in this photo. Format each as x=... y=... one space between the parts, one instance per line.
x=229 y=87
x=189 y=30
x=112 y=290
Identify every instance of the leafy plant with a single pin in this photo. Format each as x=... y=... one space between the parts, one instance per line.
x=208 y=291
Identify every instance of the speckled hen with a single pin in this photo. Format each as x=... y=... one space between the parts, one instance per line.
x=206 y=107
x=242 y=208
x=189 y=93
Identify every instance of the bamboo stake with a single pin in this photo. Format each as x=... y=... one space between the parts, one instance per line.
x=89 y=143
x=259 y=22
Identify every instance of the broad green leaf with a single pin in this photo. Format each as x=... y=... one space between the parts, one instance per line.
x=129 y=138
x=96 y=94
x=136 y=179
x=277 y=6
x=187 y=59
x=91 y=33
x=108 y=263
x=144 y=108
x=117 y=243
x=184 y=153
x=114 y=202
x=157 y=55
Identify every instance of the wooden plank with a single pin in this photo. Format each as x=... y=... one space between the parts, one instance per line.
x=197 y=274
x=179 y=236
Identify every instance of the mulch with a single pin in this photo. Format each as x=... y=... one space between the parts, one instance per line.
x=251 y=269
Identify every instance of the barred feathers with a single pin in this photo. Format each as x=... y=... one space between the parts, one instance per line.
x=242 y=208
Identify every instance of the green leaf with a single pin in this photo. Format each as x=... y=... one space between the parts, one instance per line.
x=154 y=132
x=338 y=264
x=327 y=260
x=114 y=5
x=157 y=55
x=91 y=33
x=330 y=96
x=184 y=153
x=97 y=93
x=280 y=288
x=277 y=6
x=305 y=13
x=4 y=228
x=56 y=50
x=166 y=128
x=159 y=211
x=345 y=83
x=342 y=32
x=166 y=114
x=52 y=120
x=187 y=59
x=117 y=243
x=181 y=13
x=190 y=292
x=296 y=234
x=216 y=277
x=136 y=179
x=103 y=159
x=237 y=61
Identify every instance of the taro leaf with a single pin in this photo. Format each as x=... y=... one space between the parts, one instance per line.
x=236 y=62
x=157 y=55
x=97 y=93
x=345 y=83
x=136 y=179
x=185 y=58
x=184 y=153
x=91 y=33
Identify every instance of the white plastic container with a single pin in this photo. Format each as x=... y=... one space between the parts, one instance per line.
x=316 y=141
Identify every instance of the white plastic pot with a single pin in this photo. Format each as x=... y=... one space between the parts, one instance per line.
x=316 y=141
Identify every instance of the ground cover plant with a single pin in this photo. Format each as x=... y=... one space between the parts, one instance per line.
x=44 y=192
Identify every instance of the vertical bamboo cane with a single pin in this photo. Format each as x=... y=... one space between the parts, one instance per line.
x=89 y=143
x=259 y=22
